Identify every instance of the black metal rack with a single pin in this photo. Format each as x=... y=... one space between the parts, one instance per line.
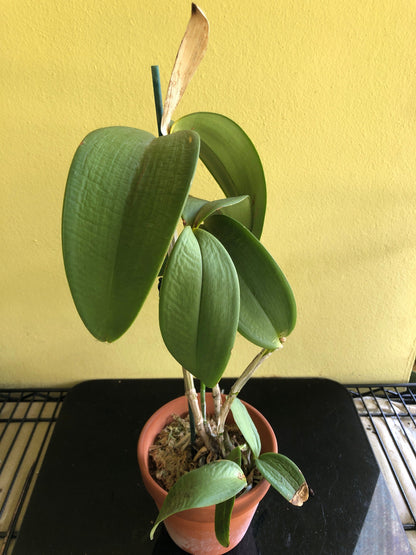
x=388 y=414
x=26 y=422
x=27 y=418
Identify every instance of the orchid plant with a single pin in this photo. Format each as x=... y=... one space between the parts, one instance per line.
x=127 y=190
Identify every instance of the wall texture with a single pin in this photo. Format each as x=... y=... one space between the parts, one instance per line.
x=326 y=90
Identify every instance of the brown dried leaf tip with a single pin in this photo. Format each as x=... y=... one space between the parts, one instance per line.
x=301 y=496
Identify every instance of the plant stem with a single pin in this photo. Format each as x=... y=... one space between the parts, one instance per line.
x=196 y=410
x=207 y=425
x=157 y=93
x=191 y=423
x=239 y=384
x=216 y=397
x=203 y=403
x=172 y=242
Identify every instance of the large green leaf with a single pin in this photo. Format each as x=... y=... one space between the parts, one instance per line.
x=267 y=304
x=205 y=486
x=224 y=510
x=232 y=159
x=246 y=426
x=124 y=195
x=199 y=305
x=284 y=476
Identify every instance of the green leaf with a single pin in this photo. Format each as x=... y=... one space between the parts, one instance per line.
x=233 y=161
x=196 y=210
x=209 y=485
x=124 y=195
x=235 y=455
x=223 y=513
x=246 y=425
x=284 y=476
x=224 y=510
x=211 y=207
x=267 y=304
x=191 y=208
x=199 y=305
x=240 y=212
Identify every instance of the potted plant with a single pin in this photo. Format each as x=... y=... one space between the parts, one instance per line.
x=126 y=192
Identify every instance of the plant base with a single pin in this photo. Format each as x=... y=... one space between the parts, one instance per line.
x=193 y=530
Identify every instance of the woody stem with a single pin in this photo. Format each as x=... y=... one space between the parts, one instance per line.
x=239 y=384
x=192 y=397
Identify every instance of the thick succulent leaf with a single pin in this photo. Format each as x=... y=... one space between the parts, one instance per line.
x=124 y=195
x=199 y=305
x=196 y=210
x=215 y=205
x=180 y=298
x=240 y=212
x=232 y=159
x=267 y=304
x=235 y=455
x=205 y=486
x=224 y=510
x=284 y=476
x=223 y=513
x=246 y=425
x=192 y=206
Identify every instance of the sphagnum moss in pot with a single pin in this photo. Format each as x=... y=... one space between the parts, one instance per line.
x=126 y=192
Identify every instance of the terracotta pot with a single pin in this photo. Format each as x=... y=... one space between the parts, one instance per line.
x=193 y=530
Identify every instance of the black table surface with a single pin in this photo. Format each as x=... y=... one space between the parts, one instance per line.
x=89 y=498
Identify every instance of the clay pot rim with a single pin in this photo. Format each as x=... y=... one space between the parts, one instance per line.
x=254 y=495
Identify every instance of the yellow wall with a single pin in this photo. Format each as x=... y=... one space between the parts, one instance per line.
x=326 y=89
